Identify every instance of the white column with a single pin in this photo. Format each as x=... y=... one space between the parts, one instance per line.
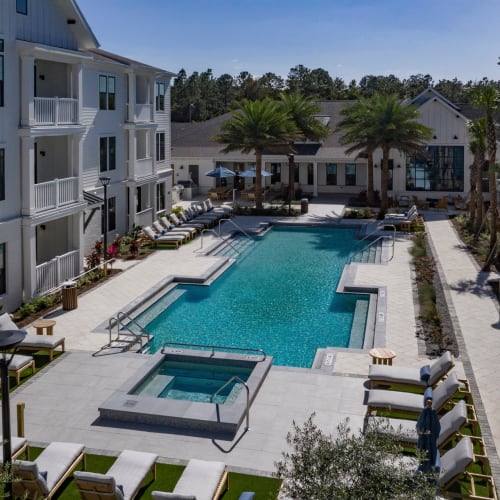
x=131 y=97
x=28 y=176
x=315 y=178
x=29 y=258
x=27 y=81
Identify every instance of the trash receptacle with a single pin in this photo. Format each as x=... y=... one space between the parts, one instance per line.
x=304 y=205
x=69 y=295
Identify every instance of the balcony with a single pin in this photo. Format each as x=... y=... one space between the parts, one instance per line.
x=51 y=274
x=56 y=111
x=57 y=193
x=143 y=112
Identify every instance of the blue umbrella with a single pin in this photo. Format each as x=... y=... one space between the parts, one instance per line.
x=252 y=172
x=220 y=172
x=428 y=429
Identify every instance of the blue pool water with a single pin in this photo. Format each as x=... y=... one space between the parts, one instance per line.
x=193 y=382
x=279 y=296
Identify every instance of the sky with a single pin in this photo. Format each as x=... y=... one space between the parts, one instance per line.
x=349 y=38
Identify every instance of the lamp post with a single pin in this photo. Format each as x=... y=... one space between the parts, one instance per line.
x=9 y=339
x=105 y=182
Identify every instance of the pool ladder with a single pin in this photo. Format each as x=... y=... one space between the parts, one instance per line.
x=218 y=234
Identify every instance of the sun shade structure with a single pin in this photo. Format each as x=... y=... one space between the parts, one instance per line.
x=220 y=172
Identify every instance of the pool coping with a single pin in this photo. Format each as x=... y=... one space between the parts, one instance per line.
x=211 y=418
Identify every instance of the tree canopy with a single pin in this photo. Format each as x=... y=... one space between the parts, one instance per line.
x=202 y=96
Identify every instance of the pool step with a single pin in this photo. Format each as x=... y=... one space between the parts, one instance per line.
x=156 y=385
x=236 y=248
x=358 y=324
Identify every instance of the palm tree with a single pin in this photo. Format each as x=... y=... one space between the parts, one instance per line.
x=477 y=146
x=394 y=125
x=255 y=126
x=303 y=113
x=487 y=97
x=356 y=128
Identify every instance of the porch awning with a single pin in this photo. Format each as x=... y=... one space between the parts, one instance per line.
x=92 y=199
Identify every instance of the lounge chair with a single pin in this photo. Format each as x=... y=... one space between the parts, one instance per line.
x=182 y=221
x=18 y=445
x=451 y=424
x=42 y=477
x=164 y=231
x=401 y=215
x=197 y=216
x=210 y=207
x=454 y=464
x=413 y=403
x=49 y=343
x=200 y=211
x=414 y=377
x=173 y=229
x=397 y=219
x=123 y=479
x=157 y=239
x=19 y=364
x=201 y=480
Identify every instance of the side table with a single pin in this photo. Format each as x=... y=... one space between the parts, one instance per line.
x=382 y=356
x=44 y=324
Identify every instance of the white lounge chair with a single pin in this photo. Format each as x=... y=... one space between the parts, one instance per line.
x=428 y=375
x=396 y=219
x=42 y=477
x=123 y=479
x=201 y=480
x=18 y=445
x=182 y=221
x=451 y=424
x=164 y=231
x=49 y=343
x=172 y=229
x=157 y=239
x=19 y=364
x=412 y=403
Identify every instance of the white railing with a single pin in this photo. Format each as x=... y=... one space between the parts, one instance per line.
x=52 y=273
x=143 y=167
x=56 y=111
x=143 y=112
x=144 y=218
x=56 y=193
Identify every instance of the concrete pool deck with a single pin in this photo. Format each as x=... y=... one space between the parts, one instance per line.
x=62 y=401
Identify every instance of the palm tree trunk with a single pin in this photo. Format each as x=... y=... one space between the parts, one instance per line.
x=258 y=179
x=479 y=196
x=492 y=180
x=291 y=183
x=369 y=184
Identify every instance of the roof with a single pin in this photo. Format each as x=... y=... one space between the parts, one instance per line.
x=102 y=55
x=92 y=199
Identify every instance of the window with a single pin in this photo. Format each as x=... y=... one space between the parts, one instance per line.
x=331 y=174
x=106 y=92
x=350 y=174
x=1 y=73
x=107 y=153
x=143 y=201
x=111 y=214
x=2 y=174
x=276 y=172
x=160 y=96
x=160 y=197
x=160 y=146
x=441 y=170
x=3 y=274
x=22 y=7
x=310 y=174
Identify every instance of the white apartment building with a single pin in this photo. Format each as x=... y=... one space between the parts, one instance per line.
x=70 y=115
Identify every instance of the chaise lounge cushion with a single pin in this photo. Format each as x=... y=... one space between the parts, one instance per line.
x=159 y=495
x=200 y=478
x=392 y=374
x=101 y=483
x=6 y=322
x=17 y=444
x=42 y=341
x=456 y=461
x=405 y=401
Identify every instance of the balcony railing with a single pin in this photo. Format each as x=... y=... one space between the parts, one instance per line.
x=51 y=274
x=56 y=193
x=56 y=111
x=143 y=112
x=144 y=218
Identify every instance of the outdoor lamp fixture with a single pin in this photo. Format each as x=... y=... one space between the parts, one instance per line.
x=105 y=182
x=9 y=340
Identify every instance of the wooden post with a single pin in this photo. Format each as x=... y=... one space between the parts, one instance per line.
x=20 y=419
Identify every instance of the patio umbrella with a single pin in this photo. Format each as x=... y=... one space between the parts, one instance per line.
x=428 y=429
x=251 y=172
x=220 y=172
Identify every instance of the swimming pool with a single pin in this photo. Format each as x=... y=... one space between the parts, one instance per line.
x=279 y=296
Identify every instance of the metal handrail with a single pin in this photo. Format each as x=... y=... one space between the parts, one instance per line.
x=214 y=347
x=238 y=379
x=225 y=241
x=236 y=226
x=118 y=321
x=372 y=243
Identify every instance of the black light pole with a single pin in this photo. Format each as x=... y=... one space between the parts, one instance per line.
x=105 y=181
x=9 y=339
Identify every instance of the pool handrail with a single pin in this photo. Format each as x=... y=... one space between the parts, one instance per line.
x=235 y=225
x=214 y=347
x=226 y=241
x=237 y=379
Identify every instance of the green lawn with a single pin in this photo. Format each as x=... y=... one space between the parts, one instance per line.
x=166 y=477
